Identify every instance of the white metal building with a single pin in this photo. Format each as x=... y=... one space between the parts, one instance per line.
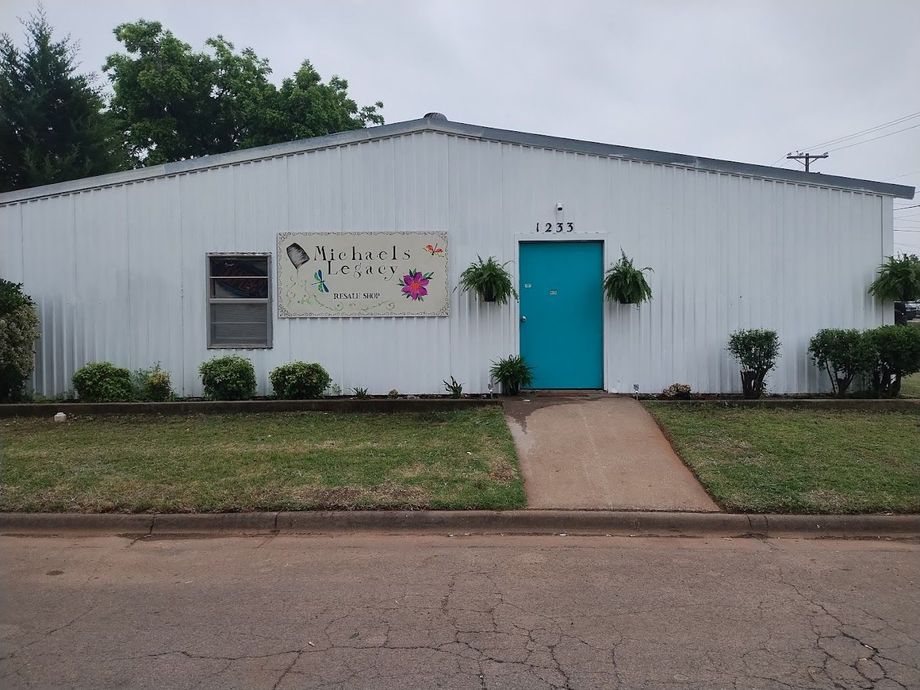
x=180 y=262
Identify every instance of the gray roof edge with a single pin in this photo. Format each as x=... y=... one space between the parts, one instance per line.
x=460 y=129
x=678 y=159
x=219 y=160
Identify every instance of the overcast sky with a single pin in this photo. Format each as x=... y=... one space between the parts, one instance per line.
x=735 y=79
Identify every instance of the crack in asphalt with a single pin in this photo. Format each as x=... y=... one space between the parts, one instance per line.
x=481 y=628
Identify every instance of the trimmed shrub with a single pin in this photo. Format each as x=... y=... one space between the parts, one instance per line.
x=229 y=377
x=894 y=353
x=103 y=382
x=152 y=384
x=756 y=349
x=18 y=332
x=299 y=380
x=677 y=391
x=842 y=353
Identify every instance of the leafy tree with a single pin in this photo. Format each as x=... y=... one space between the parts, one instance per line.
x=898 y=279
x=309 y=108
x=53 y=122
x=173 y=103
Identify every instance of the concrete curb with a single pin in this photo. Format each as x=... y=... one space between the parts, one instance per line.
x=830 y=404
x=189 y=407
x=571 y=522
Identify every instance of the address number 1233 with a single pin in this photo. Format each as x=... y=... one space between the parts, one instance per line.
x=555 y=227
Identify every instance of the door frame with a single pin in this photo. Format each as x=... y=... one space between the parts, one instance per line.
x=522 y=238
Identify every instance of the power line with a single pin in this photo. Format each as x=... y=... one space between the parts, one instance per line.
x=861 y=132
x=866 y=141
x=901 y=208
x=868 y=130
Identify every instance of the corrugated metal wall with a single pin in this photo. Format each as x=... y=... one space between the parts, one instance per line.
x=119 y=273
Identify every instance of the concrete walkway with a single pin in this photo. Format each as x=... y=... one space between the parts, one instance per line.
x=604 y=453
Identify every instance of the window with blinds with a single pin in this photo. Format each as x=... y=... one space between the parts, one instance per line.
x=239 y=301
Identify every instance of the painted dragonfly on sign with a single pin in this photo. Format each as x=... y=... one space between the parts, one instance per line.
x=320 y=283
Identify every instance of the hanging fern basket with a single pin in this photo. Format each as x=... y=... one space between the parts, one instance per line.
x=488 y=279
x=626 y=284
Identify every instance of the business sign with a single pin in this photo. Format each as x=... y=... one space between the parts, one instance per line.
x=362 y=274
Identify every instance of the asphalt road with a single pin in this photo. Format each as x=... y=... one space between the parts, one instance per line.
x=466 y=612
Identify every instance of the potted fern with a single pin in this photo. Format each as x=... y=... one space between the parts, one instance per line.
x=626 y=284
x=489 y=279
x=513 y=373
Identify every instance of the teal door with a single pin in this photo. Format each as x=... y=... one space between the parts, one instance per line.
x=562 y=313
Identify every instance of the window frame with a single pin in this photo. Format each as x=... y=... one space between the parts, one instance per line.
x=267 y=300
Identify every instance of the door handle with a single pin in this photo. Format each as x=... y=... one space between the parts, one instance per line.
x=523 y=318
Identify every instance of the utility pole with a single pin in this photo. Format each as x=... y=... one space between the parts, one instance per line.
x=807 y=157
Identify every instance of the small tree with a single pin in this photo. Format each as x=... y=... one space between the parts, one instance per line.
x=756 y=349
x=18 y=333
x=894 y=353
x=842 y=353
x=898 y=280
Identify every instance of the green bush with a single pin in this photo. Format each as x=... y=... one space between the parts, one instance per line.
x=18 y=332
x=152 y=384
x=103 y=382
x=894 y=353
x=756 y=349
x=842 y=353
x=229 y=377
x=513 y=373
x=299 y=380
x=677 y=391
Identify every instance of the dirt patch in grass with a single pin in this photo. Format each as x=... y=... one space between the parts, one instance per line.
x=799 y=461
x=268 y=461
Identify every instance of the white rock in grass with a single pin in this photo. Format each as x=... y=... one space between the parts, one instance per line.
x=60 y=417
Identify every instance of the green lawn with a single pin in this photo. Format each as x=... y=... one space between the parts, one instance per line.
x=799 y=461
x=269 y=461
x=910 y=387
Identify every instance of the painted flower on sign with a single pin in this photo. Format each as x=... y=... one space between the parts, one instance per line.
x=415 y=284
